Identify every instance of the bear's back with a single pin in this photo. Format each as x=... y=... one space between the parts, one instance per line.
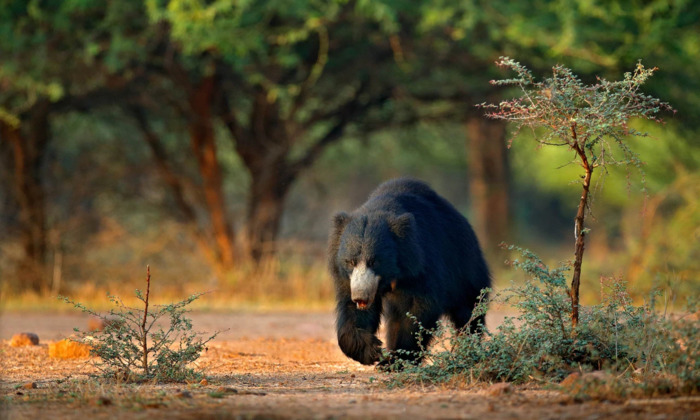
x=403 y=186
x=403 y=195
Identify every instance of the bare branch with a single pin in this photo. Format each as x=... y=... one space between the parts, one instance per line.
x=175 y=183
x=347 y=114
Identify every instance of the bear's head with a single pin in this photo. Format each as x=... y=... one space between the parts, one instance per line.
x=375 y=251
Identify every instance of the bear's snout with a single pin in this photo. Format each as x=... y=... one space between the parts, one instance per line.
x=363 y=285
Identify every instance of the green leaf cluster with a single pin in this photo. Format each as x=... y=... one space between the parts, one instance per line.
x=567 y=112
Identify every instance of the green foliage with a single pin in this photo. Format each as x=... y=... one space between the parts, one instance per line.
x=57 y=50
x=636 y=343
x=573 y=114
x=139 y=345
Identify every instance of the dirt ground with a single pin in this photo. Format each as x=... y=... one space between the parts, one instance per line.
x=271 y=365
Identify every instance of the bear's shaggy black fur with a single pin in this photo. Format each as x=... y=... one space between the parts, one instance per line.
x=405 y=250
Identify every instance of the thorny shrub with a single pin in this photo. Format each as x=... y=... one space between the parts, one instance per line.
x=650 y=352
x=138 y=345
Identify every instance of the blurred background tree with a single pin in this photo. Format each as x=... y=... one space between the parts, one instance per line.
x=57 y=57
x=206 y=135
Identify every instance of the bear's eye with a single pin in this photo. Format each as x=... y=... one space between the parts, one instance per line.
x=351 y=262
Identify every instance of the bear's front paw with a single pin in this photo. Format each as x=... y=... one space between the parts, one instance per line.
x=362 y=346
x=371 y=349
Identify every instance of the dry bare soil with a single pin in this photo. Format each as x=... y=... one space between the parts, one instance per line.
x=271 y=365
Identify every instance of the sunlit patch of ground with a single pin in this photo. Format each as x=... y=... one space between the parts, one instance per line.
x=271 y=369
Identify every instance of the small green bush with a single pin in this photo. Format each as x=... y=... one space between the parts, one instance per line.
x=139 y=345
x=638 y=344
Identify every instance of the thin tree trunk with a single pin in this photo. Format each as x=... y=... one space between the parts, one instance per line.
x=489 y=180
x=204 y=147
x=580 y=233
x=264 y=148
x=28 y=146
x=268 y=191
x=144 y=330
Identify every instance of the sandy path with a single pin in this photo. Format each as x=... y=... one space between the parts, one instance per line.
x=271 y=365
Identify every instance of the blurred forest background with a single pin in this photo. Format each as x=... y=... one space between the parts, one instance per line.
x=214 y=139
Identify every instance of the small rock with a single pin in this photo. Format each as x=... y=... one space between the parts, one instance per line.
x=69 y=349
x=24 y=339
x=29 y=385
x=500 y=388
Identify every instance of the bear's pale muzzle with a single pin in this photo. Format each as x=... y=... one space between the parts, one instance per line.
x=363 y=285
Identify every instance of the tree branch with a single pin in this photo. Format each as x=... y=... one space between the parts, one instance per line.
x=315 y=70
x=346 y=115
x=161 y=159
x=229 y=117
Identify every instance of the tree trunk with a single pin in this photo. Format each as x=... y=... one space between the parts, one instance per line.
x=28 y=147
x=268 y=191
x=579 y=231
x=264 y=148
x=204 y=147
x=489 y=180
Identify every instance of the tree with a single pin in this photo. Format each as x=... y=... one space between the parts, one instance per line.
x=93 y=70
x=25 y=146
x=297 y=77
x=591 y=120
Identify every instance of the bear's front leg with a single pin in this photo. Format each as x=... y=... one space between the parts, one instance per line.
x=357 y=330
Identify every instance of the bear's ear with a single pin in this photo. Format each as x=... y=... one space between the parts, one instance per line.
x=340 y=220
x=403 y=226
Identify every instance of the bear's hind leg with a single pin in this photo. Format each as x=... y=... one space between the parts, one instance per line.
x=402 y=331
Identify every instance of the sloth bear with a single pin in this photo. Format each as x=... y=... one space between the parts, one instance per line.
x=405 y=250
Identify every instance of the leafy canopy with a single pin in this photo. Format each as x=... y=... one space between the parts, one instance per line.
x=571 y=113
